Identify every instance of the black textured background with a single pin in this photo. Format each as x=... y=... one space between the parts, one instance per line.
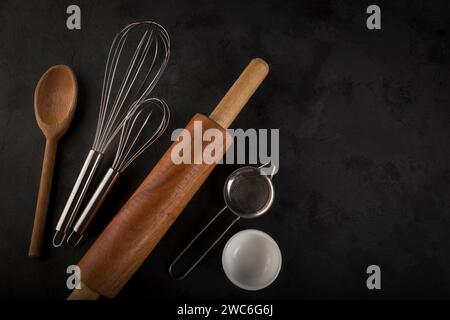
x=364 y=121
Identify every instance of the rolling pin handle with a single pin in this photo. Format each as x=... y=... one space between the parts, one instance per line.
x=84 y=293
x=240 y=92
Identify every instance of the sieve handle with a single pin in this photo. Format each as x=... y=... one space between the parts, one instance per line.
x=197 y=239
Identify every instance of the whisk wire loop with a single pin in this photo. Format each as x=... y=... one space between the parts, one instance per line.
x=128 y=147
x=114 y=111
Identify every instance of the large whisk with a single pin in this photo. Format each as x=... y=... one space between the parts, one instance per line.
x=126 y=83
x=130 y=147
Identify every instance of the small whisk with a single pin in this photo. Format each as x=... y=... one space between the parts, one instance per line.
x=129 y=148
x=126 y=84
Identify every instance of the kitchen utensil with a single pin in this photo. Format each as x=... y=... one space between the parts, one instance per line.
x=251 y=259
x=248 y=194
x=138 y=125
x=144 y=219
x=126 y=83
x=55 y=100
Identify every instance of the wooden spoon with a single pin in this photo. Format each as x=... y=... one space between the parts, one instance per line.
x=55 y=100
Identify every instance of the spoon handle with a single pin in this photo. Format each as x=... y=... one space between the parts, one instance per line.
x=43 y=198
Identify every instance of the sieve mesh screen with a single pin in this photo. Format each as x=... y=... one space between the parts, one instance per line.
x=247 y=193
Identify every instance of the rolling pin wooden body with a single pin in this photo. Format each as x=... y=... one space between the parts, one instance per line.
x=148 y=214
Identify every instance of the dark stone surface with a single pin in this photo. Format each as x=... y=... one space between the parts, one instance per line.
x=364 y=120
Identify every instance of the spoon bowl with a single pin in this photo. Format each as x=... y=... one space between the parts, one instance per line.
x=55 y=101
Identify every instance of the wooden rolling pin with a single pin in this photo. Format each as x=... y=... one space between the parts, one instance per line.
x=148 y=214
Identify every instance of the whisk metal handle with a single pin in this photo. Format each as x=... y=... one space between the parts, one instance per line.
x=85 y=176
x=94 y=204
x=193 y=241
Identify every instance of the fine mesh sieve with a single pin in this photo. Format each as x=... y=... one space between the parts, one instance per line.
x=248 y=194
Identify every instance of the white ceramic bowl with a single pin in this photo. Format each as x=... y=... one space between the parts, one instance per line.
x=251 y=259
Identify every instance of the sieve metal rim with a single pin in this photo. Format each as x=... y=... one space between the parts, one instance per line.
x=264 y=208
